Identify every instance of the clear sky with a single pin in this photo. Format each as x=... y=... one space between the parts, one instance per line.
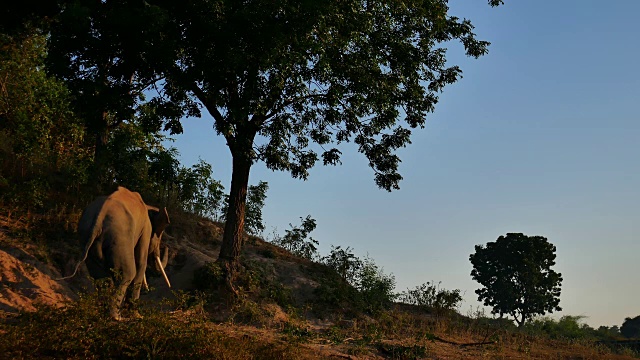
x=541 y=136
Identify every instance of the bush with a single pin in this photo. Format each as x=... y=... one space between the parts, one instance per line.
x=295 y=239
x=259 y=278
x=567 y=328
x=209 y=277
x=41 y=139
x=355 y=284
x=344 y=262
x=430 y=297
x=375 y=288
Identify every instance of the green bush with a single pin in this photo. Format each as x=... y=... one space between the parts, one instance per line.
x=208 y=277
x=295 y=239
x=344 y=262
x=354 y=284
x=42 y=142
x=260 y=279
x=430 y=297
x=375 y=288
x=568 y=327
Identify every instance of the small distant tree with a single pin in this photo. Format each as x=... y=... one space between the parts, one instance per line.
x=631 y=327
x=516 y=273
x=344 y=262
x=297 y=239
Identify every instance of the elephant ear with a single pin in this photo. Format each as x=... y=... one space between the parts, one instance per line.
x=159 y=219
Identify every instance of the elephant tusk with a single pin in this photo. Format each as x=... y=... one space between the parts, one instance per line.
x=144 y=282
x=162 y=269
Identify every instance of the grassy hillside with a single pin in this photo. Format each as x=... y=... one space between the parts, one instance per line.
x=288 y=308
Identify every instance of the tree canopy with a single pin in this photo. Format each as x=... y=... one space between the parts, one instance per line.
x=631 y=327
x=287 y=82
x=516 y=273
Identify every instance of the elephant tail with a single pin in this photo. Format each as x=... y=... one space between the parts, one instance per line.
x=95 y=232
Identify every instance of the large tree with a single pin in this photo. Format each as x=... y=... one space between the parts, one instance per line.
x=101 y=50
x=516 y=273
x=23 y=17
x=631 y=327
x=287 y=81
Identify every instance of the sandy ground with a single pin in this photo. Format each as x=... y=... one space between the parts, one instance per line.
x=26 y=282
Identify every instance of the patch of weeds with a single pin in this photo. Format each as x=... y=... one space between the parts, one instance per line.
x=628 y=351
x=524 y=348
x=209 y=277
x=184 y=300
x=297 y=332
x=267 y=253
x=402 y=352
x=335 y=334
x=372 y=333
x=428 y=336
x=277 y=292
x=246 y=311
x=358 y=349
x=259 y=278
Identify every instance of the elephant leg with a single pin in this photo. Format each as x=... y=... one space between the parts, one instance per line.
x=141 y=253
x=138 y=281
x=126 y=273
x=135 y=291
x=121 y=292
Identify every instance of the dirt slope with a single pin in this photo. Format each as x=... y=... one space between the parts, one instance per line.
x=26 y=281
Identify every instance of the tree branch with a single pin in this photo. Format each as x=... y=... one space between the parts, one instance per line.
x=202 y=96
x=291 y=102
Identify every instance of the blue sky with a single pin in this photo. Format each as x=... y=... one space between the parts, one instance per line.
x=540 y=136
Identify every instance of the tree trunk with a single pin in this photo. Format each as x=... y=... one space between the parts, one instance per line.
x=234 y=226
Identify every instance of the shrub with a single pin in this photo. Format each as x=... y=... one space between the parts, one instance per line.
x=344 y=262
x=352 y=283
x=568 y=327
x=429 y=296
x=374 y=287
x=209 y=277
x=259 y=278
x=295 y=239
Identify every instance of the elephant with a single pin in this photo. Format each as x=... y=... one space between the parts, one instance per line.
x=119 y=232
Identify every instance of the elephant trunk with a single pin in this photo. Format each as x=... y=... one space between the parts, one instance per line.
x=159 y=262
